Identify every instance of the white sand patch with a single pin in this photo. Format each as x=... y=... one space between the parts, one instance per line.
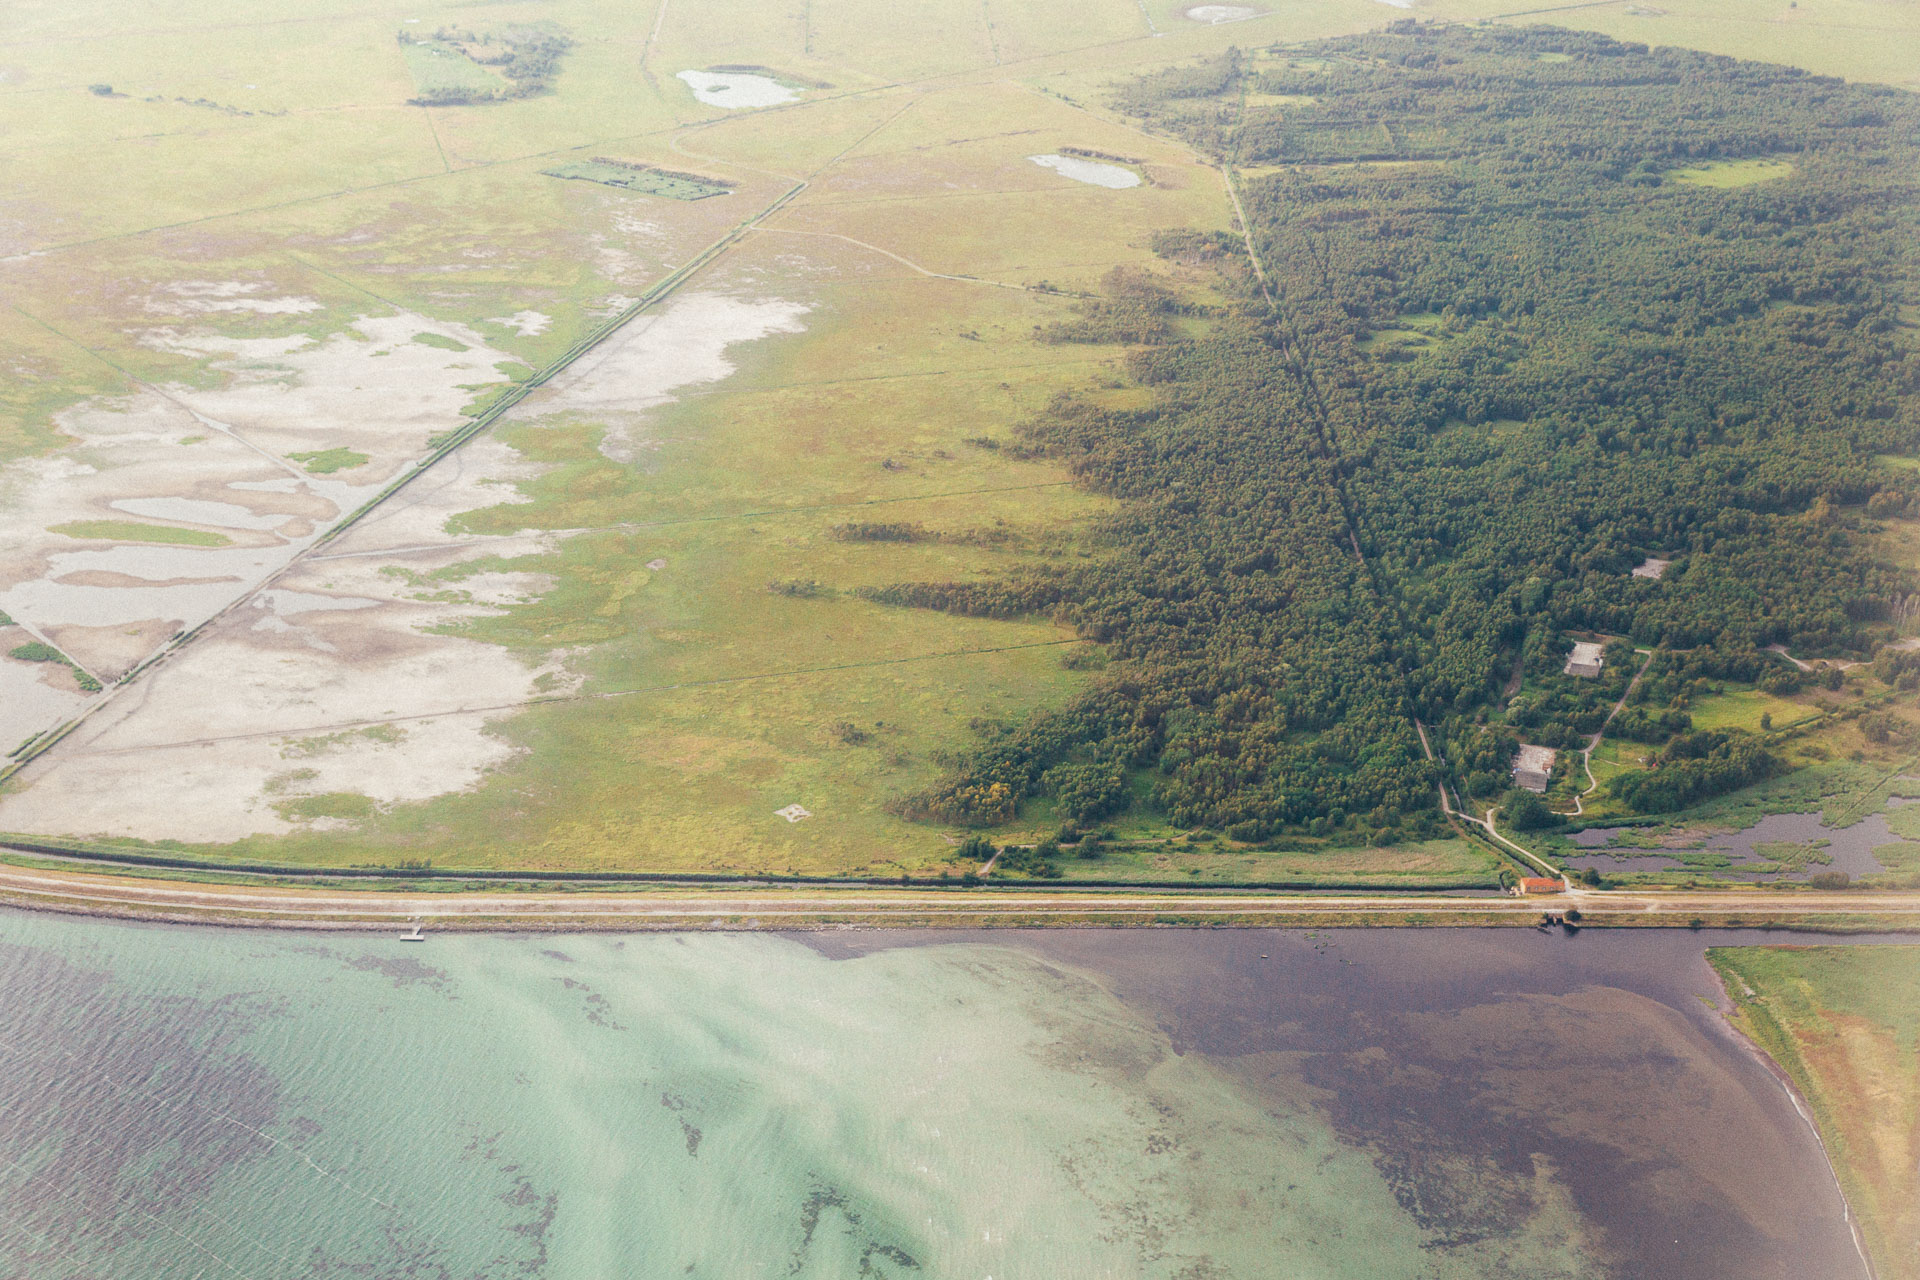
x=528 y=324
x=347 y=674
x=792 y=813
x=205 y=296
x=736 y=90
x=1398 y=4
x=223 y=515
x=1651 y=567
x=612 y=304
x=345 y=642
x=132 y=454
x=683 y=344
x=370 y=388
x=656 y=565
x=1092 y=172
x=308 y=665
x=1217 y=13
x=198 y=582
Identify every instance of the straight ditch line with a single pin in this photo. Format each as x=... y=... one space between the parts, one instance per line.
x=631 y=525
x=557 y=698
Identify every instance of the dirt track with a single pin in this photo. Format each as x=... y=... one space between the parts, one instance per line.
x=297 y=907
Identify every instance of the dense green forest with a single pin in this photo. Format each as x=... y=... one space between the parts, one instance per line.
x=1487 y=354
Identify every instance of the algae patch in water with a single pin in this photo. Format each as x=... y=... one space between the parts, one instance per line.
x=134 y=531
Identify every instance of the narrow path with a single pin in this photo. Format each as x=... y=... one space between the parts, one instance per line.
x=779 y=909
x=1486 y=824
x=1586 y=752
x=908 y=262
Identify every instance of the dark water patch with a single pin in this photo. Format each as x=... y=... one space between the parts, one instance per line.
x=1469 y=1062
x=110 y=1104
x=1781 y=846
x=599 y=1009
x=136 y=1111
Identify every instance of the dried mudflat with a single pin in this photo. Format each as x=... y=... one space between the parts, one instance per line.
x=346 y=681
x=215 y=460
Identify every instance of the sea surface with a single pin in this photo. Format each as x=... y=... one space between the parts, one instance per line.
x=1195 y=1105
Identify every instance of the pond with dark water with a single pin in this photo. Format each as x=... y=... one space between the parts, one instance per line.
x=1751 y=854
x=1069 y=1103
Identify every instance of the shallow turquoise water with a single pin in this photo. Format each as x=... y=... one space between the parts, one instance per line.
x=226 y=1103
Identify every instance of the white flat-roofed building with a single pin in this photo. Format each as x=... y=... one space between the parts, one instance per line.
x=1533 y=767
x=1585 y=660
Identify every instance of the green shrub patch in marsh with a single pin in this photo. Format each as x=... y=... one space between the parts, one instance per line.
x=135 y=531
x=645 y=179
x=459 y=67
x=325 y=462
x=1317 y=546
x=34 y=651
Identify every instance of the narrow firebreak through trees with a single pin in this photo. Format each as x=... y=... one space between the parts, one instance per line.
x=1508 y=357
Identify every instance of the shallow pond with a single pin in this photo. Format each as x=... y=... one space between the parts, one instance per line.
x=737 y=90
x=1217 y=13
x=1152 y=1103
x=1092 y=172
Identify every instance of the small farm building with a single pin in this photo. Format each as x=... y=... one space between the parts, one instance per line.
x=1585 y=660
x=1533 y=767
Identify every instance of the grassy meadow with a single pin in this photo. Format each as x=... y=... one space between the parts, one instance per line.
x=1844 y=1024
x=744 y=674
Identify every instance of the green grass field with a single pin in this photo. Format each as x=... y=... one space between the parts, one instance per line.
x=1728 y=174
x=924 y=247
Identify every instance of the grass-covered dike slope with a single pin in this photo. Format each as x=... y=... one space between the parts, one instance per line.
x=1844 y=1024
x=1486 y=356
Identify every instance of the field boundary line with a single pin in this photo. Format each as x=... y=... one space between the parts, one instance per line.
x=556 y=699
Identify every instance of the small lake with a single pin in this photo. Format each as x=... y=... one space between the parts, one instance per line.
x=737 y=90
x=1327 y=1105
x=1092 y=172
x=1849 y=849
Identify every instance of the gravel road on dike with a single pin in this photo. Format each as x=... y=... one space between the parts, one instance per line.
x=775 y=908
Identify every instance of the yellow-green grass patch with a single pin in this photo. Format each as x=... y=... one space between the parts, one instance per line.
x=1744 y=708
x=1727 y=174
x=324 y=462
x=1448 y=861
x=134 y=531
